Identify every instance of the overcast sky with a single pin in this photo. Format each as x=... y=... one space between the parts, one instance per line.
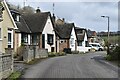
x=85 y=13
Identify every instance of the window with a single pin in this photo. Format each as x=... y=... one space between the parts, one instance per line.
x=50 y=39
x=62 y=41
x=72 y=41
x=15 y=16
x=86 y=44
x=24 y=38
x=80 y=43
x=35 y=39
x=0 y=33
x=9 y=37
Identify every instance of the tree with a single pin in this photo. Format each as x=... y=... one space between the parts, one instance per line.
x=27 y=9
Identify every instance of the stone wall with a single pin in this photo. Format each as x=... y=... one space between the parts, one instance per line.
x=32 y=52
x=6 y=64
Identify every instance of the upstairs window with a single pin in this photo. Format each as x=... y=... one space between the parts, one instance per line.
x=16 y=17
x=50 y=39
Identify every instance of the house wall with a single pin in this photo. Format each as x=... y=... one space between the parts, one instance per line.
x=83 y=48
x=1 y=37
x=73 y=40
x=17 y=41
x=6 y=24
x=85 y=39
x=40 y=43
x=57 y=44
x=64 y=44
x=48 y=29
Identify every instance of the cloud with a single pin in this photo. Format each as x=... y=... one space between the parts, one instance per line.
x=83 y=14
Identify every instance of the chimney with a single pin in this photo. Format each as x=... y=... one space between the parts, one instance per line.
x=38 y=10
x=63 y=19
x=53 y=18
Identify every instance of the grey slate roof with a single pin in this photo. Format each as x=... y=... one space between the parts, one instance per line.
x=36 y=21
x=22 y=27
x=64 y=30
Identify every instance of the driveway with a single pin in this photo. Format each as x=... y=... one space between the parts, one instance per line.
x=90 y=65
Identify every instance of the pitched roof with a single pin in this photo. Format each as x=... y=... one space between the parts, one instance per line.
x=22 y=26
x=64 y=30
x=80 y=32
x=36 y=21
x=91 y=33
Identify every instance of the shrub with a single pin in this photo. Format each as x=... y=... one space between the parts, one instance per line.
x=52 y=54
x=61 y=53
x=115 y=53
x=108 y=57
x=75 y=52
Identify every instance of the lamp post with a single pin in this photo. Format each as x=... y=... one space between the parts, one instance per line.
x=108 y=51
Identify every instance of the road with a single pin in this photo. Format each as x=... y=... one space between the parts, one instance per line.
x=90 y=65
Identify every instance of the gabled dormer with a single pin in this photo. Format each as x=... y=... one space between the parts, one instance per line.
x=15 y=15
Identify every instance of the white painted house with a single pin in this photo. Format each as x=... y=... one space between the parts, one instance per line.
x=41 y=30
x=82 y=40
x=34 y=29
x=73 y=40
x=49 y=34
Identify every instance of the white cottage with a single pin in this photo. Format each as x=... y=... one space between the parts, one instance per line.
x=73 y=40
x=82 y=40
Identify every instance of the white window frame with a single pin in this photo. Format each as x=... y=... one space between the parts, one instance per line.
x=11 y=43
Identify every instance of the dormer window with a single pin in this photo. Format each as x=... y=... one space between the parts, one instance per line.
x=16 y=17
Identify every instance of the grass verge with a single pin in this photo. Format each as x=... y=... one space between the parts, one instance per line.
x=14 y=76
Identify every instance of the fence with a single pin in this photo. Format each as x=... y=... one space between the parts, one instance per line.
x=6 y=64
x=32 y=52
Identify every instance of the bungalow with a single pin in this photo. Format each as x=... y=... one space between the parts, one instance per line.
x=82 y=40
x=35 y=29
x=66 y=37
x=7 y=27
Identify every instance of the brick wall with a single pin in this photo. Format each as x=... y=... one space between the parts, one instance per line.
x=64 y=44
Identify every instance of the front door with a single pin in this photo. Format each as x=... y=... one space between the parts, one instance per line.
x=10 y=38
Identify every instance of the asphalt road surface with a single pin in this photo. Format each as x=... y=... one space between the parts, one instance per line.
x=90 y=65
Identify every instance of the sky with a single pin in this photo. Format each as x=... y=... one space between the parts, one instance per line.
x=83 y=13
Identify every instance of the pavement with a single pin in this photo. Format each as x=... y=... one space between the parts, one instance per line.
x=90 y=65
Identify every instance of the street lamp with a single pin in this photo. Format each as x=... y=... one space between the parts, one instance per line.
x=108 y=51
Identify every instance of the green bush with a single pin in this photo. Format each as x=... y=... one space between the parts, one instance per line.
x=61 y=53
x=75 y=52
x=108 y=57
x=52 y=54
x=115 y=54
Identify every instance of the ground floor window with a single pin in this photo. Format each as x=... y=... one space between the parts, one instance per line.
x=50 y=39
x=79 y=43
x=24 y=38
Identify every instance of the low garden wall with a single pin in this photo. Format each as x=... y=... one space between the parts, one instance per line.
x=6 y=64
x=32 y=52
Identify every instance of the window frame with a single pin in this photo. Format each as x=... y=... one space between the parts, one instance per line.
x=50 y=39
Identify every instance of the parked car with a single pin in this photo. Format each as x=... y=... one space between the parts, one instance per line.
x=96 y=46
